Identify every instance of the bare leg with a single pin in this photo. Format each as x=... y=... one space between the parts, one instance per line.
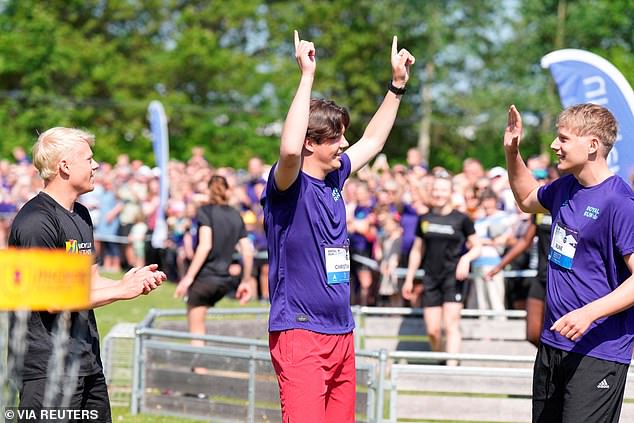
x=196 y=322
x=365 y=281
x=433 y=320
x=451 y=320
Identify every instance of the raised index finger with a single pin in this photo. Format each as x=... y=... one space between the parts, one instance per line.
x=512 y=119
x=296 y=36
x=394 y=40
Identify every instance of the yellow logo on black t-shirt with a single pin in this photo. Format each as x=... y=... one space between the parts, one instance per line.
x=424 y=225
x=71 y=246
x=74 y=247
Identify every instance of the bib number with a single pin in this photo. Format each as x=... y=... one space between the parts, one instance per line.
x=337 y=265
x=563 y=246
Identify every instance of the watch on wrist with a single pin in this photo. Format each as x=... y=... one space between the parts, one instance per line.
x=396 y=90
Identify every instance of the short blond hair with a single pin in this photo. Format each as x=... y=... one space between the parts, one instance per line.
x=590 y=119
x=55 y=143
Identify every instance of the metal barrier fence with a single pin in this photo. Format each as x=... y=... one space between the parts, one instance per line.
x=375 y=365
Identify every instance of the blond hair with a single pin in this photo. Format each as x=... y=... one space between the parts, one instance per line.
x=53 y=145
x=593 y=120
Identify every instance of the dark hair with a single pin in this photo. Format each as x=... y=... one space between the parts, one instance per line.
x=488 y=194
x=218 y=188
x=326 y=120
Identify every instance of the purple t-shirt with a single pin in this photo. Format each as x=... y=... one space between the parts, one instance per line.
x=302 y=223
x=409 y=220
x=592 y=229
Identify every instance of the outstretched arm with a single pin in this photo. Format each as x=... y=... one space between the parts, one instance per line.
x=377 y=131
x=522 y=245
x=523 y=184
x=137 y=281
x=296 y=124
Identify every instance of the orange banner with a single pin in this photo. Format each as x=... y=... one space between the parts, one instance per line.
x=43 y=279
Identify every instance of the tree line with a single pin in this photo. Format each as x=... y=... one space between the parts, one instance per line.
x=225 y=72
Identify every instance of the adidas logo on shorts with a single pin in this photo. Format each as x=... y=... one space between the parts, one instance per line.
x=603 y=385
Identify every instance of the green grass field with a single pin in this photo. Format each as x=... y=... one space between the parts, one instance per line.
x=133 y=311
x=120 y=414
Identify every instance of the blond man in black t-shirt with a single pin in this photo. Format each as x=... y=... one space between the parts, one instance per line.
x=53 y=219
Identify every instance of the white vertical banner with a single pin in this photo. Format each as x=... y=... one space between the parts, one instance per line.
x=160 y=144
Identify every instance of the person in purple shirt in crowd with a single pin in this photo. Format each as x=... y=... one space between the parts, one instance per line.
x=362 y=233
x=310 y=323
x=586 y=344
x=255 y=167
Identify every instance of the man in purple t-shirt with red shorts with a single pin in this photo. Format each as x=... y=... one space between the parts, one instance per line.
x=310 y=322
x=586 y=344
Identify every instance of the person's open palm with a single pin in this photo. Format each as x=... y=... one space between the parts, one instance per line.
x=513 y=131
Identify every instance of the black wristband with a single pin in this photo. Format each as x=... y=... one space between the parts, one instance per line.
x=396 y=90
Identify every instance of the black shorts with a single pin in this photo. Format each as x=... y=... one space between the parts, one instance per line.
x=207 y=292
x=356 y=266
x=440 y=290
x=517 y=289
x=90 y=395
x=110 y=249
x=572 y=388
x=537 y=290
x=257 y=266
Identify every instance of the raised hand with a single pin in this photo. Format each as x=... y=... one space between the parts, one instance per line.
x=305 y=55
x=513 y=131
x=401 y=61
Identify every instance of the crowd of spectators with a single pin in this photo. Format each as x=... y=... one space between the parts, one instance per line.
x=383 y=202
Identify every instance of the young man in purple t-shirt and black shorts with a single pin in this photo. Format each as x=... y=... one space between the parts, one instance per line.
x=310 y=322
x=586 y=344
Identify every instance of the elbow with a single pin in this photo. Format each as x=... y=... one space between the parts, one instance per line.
x=290 y=151
x=524 y=207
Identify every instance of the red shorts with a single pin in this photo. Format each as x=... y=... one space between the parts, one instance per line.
x=316 y=374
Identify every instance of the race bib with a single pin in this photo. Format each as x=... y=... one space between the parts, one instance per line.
x=563 y=246
x=337 y=265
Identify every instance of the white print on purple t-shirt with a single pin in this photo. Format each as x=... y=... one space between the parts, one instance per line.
x=563 y=246
x=337 y=265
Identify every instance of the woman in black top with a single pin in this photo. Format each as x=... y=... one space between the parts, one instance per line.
x=220 y=230
x=441 y=237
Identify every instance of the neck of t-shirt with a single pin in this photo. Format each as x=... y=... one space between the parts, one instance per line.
x=66 y=203
x=592 y=175
x=443 y=211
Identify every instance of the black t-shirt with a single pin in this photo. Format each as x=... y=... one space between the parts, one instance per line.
x=42 y=222
x=444 y=238
x=543 y=223
x=227 y=228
